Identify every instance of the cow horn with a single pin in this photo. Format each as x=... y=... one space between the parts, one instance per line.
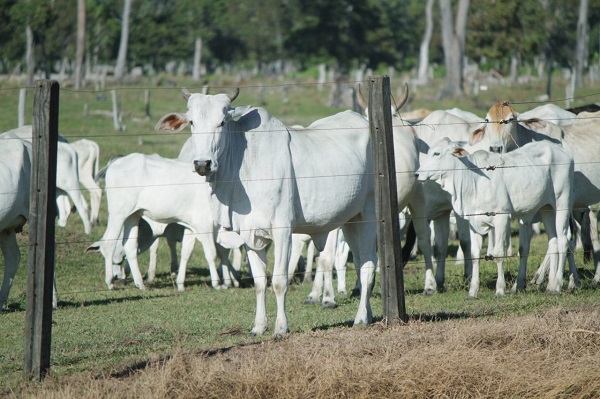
x=185 y=93
x=233 y=95
x=404 y=97
x=359 y=97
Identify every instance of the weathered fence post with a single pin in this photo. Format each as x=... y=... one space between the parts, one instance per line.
x=384 y=169
x=42 y=214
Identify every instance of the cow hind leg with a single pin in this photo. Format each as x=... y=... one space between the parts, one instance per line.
x=187 y=246
x=12 y=257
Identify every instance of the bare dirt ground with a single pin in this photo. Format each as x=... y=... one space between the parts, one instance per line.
x=551 y=354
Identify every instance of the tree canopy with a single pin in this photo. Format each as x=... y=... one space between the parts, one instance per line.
x=347 y=33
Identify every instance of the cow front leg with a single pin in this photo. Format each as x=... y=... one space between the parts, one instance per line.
x=258 y=266
x=187 y=246
x=130 y=245
x=12 y=257
x=282 y=240
x=476 y=244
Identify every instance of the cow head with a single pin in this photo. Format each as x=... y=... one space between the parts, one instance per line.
x=439 y=159
x=500 y=126
x=208 y=116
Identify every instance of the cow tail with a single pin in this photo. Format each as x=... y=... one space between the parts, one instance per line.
x=411 y=238
x=102 y=172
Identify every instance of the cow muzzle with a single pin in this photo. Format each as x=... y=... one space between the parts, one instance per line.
x=496 y=148
x=203 y=168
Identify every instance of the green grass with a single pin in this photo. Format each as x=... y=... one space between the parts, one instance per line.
x=109 y=331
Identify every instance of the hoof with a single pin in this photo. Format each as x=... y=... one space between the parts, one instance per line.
x=594 y=284
x=429 y=292
x=329 y=305
x=471 y=298
x=310 y=301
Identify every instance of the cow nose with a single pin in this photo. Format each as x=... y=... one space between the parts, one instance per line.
x=497 y=149
x=202 y=167
x=417 y=175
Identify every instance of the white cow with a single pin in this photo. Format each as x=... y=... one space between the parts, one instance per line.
x=507 y=130
x=269 y=181
x=67 y=177
x=15 y=178
x=487 y=188
x=135 y=187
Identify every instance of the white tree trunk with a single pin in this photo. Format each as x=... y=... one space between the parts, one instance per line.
x=196 y=73
x=422 y=76
x=122 y=57
x=453 y=41
x=80 y=52
x=582 y=42
x=29 y=55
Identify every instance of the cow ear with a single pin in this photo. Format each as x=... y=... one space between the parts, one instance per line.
x=173 y=122
x=460 y=152
x=239 y=111
x=477 y=136
x=533 y=123
x=95 y=247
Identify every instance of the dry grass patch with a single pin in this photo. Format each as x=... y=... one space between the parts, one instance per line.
x=553 y=354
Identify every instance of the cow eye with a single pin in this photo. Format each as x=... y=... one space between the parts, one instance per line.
x=192 y=123
x=222 y=123
x=436 y=154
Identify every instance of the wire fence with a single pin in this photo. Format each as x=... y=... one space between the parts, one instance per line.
x=439 y=126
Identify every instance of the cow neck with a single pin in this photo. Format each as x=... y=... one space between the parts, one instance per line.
x=461 y=183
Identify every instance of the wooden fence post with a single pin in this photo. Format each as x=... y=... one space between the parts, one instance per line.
x=42 y=215
x=384 y=169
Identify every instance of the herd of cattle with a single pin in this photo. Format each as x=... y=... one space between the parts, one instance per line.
x=259 y=181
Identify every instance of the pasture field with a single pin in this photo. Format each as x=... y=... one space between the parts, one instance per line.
x=105 y=337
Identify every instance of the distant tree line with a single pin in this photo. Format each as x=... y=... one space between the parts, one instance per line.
x=267 y=35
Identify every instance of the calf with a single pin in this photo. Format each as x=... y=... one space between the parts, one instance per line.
x=487 y=188
x=165 y=191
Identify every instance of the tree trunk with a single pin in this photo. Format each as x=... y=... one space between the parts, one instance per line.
x=29 y=55
x=197 y=59
x=453 y=41
x=122 y=57
x=514 y=67
x=80 y=44
x=582 y=42
x=422 y=76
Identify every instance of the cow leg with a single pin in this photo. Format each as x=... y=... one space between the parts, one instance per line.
x=87 y=181
x=595 y=245
x=310 y=257
x=258 y=266
x=554 y=283
x=210 y=254
x=361 y=238
x=297 y=247
x=500 y=249
x=230 y=274
x=314 y=296
x=130 y=245
x=476 y=245
x=153 y=255
x=173 y=251
x=563 y=216
x=418 y=212
x=63 y=206
x=341 y=259
x=525 y=233
x=441 y=227
x=282 y=240
x=111 y=235
x=12 y=257
x=464 y=239
x=82 y=208
x=187 y=246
